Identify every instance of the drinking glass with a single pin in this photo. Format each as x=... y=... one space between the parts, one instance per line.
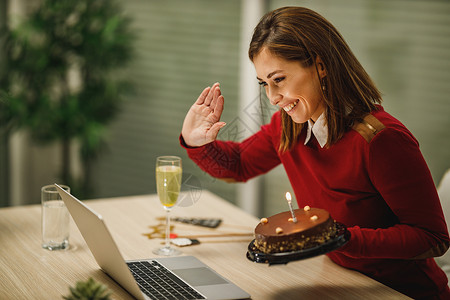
x=168 y=183
x=55 y=219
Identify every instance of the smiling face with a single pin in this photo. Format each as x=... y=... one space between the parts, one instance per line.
x=291 y=86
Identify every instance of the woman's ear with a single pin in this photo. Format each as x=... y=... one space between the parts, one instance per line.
x=320 y=66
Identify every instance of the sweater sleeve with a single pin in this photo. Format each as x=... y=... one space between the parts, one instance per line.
x=237 y=162
x=399 y=172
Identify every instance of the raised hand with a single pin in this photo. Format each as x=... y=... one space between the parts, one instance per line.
x=202 y=122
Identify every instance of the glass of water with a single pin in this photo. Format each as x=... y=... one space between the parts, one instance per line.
x=55 y=219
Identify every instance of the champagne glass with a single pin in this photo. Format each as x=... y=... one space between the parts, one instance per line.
x=168 y=183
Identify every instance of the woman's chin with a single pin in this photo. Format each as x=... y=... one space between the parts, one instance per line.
x=298 y=119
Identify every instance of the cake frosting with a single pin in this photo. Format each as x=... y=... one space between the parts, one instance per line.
x=279 y=233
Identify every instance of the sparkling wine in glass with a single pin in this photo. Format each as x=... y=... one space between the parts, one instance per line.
x=168 y=184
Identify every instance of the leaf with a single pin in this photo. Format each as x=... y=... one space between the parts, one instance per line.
x=88 y=290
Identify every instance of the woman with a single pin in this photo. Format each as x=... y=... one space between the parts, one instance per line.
x=340 y=149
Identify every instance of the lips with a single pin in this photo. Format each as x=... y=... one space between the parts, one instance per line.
x=290 y=106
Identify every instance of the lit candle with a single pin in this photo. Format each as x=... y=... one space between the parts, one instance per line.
x=289 y=200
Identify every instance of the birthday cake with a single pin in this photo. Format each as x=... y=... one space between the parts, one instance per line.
x=280 y=232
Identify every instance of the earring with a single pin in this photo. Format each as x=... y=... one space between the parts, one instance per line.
x=324 y=85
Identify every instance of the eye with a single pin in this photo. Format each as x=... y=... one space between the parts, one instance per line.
x=279 y=79
x=262 y=83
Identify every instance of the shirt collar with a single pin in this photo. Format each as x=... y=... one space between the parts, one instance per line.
x=319 y=129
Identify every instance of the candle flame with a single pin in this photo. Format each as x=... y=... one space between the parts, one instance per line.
x=288 y=196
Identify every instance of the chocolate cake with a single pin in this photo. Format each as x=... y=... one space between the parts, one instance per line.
x=279 y=233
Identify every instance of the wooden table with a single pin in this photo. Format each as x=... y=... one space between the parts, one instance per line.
x=29 y=272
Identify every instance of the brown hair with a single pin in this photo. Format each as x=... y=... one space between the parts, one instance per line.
x=300 y=34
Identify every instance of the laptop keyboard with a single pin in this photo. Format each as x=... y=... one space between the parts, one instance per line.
x=157 y=282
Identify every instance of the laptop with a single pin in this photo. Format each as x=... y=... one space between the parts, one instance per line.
x=187 y=277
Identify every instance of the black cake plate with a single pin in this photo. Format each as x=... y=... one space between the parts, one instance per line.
x=341 y=238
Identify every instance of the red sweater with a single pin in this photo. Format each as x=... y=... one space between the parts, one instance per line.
x=374 y=180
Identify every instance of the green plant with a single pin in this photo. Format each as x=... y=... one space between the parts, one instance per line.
x=63 y=77
x=88 y=290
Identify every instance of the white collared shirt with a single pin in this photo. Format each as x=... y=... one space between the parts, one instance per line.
x=319 y=129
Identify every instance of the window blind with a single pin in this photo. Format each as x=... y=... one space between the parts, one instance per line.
x=181 y=47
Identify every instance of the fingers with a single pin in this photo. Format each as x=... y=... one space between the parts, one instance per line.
x=202 y=97
x=213 y=93
x=209 y=95
x=214 y=130
x=218 y=107
x=217 y=93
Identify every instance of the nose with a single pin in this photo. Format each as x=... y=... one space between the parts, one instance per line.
x=274 y=96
